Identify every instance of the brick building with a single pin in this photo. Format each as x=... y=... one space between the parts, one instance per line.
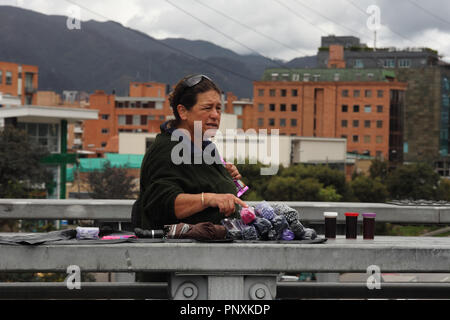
x=426 y=115
x=364 y=106
x=19 y=80
x=144 y=110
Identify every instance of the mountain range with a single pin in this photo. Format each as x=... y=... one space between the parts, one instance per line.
x=107 y=55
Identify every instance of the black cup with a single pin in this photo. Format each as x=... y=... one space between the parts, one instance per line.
x=330 y=224
x=351 y=224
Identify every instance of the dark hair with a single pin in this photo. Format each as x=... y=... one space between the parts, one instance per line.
x=187 y=95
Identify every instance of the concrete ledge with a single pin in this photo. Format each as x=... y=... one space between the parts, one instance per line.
x=390 y=254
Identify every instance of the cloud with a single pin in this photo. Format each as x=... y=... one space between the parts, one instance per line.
x=296 y=25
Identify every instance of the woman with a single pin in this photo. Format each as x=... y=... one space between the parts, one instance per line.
x=189 y=192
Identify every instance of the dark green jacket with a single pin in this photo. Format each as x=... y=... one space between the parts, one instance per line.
x=162 y=181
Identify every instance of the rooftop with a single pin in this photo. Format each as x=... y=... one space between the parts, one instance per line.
x=343 y=75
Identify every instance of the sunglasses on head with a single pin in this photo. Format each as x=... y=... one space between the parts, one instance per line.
x=194 y=80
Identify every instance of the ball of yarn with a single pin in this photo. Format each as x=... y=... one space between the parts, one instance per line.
x=310 y=234
x=264 y=210
x=279 y=224
x=249 y=233
x=284 y=210
x=248 y=215
x=263 y=227
x=287 y=235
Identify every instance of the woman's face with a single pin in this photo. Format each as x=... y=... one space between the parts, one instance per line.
x=207 y=110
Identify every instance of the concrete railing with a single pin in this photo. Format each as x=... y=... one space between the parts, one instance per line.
x=120 y=210
x=240 y=270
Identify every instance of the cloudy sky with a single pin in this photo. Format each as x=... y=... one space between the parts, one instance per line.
x=282 y=29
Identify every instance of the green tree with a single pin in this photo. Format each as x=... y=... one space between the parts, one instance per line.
x=379 y=169
x=443 y=191
x=367 y=189
x=413 y=181
x=21 y=172
x=111 y=183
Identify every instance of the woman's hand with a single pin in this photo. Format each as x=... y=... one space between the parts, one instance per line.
x=224 y=201
x=233 y=171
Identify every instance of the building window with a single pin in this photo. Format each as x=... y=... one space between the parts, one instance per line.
x=355 y=93
x=122 y=120
x=306 y=76
x=237 y=110
x=260 y=92
x=295 y=77
x=368 y=93
x=294 y=92
x=271 y=122
x=379 y=109
x=356 y=108
x=43 y=134
x=389 y=63
x=293 y=122
x=379 y=123
x=282 y=122
x=103 y=144
x=260 y=122
x=129 y=119
x=358 y=64
x=366 y=123
x=151 y=117
x=283 y=92
x=282 y=107
x=355 y=123
x=404 y=63
x=272 y=107
x=316 y=77
x=261 y=107
x=355 y=138
x=343 y=136
x=379 y=154
x=379 y=139
x=272 y=92
x=366 y=139
x=344 y=108
x=162 y=118
x=8 y=79
x=368 y=108
x=143 y=120
x=105 y=116
x=293 y=107
x=345 y=93
x=105 y=130
x=344 y=123
x=380 y=93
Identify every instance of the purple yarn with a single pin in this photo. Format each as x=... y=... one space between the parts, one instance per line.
x=287 y=235
x=263 y=227
x=279 y=225
x=264 y=210
x=249 y=233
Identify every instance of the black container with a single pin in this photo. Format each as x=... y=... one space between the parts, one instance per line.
x=330 y=224
x=351 y=225
x=368 y=225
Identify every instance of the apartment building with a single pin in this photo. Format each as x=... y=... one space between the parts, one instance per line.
x=426 y=114
x=19 y=80
x=363 y=106
x=144 y=110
